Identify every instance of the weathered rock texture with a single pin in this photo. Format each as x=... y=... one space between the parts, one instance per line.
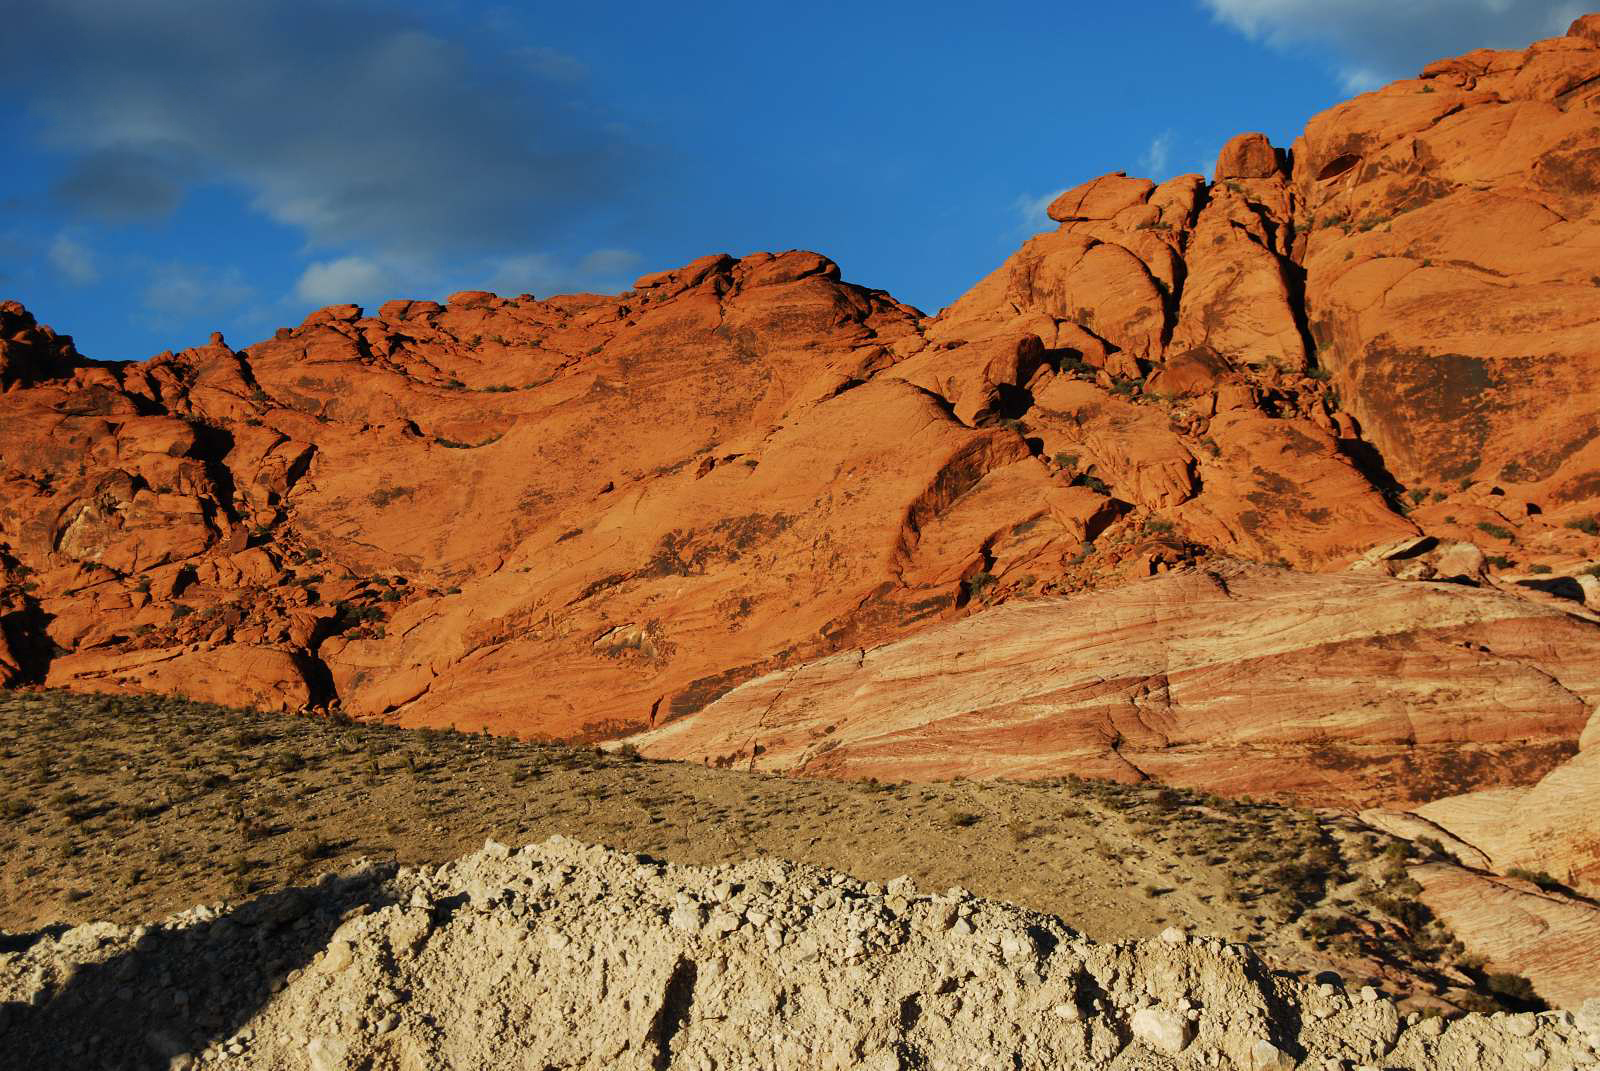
x=589 y=515
x=560 y=955
x=1239 y=679
x=1552 y=940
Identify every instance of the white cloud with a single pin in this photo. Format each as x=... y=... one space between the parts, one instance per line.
x=602 y=271
x=364 y=280
x=73 y=260
x=1361 y=79
x=192 y=291
x=607 y=262
x=1032 y=210
x=1158 y=155
x=337 y=282
x=1375 y=41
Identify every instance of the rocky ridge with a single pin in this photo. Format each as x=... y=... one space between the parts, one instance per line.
x=594 y=515
x=561 y=954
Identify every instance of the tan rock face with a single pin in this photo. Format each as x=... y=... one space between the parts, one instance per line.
x=1553 y=941
x=1239 y=680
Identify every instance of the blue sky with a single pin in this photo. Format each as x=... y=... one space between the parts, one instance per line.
x=174 y=168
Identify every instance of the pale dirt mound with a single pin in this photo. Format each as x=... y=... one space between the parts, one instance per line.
x=562 y=955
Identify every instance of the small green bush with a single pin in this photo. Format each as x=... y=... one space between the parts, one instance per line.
x=978 y=583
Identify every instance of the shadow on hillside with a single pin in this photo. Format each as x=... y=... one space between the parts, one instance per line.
x=177 y=991
x=1562 y=587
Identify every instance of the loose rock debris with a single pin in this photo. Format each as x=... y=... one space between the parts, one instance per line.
x=563 y=955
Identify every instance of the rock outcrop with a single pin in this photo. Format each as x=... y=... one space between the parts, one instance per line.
x=559 y=955
x=1552 y=940
x=1237 y=679
x=590 y=516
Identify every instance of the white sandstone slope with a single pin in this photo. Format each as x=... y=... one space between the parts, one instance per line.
x=566 y=956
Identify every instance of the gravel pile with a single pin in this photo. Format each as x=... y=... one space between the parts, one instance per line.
x=562 y=955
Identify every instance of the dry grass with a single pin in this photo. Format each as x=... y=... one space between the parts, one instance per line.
x=132 y=808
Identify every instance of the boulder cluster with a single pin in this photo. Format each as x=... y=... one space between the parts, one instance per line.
x=566 y=955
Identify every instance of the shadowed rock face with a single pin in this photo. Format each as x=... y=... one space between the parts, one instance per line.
x=593 y=515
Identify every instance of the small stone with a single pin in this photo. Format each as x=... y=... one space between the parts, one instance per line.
x=1536 y=1057
x=1068 y=1010
x=327 y=1054
x=495 y=850
x=1369 y=995
x=1162 y=1030
x=962 y=928
x=1172 y=935
x=722 y=923
x=1520 y=1026
x=687 y=917
x=1013 y=947
x=386 y=1024
x=336 y=958
x=1265 y=1056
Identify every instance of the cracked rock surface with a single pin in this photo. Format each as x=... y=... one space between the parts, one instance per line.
x=562 y=955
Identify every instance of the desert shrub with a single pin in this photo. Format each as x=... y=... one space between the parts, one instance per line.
x=1093 y=483
x=1499 y=531
x=1586 y=525
x=1540 y=878
x=13 y=809
x=1512 y=987
x=313 y=847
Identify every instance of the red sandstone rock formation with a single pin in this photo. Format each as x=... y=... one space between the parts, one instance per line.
x=1237 y=679
x=592 y=515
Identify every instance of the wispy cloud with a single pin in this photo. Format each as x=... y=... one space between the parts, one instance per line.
x=1376 y=41
x=177 y=292
x=1159 y=154
x=553 y=64
x=1031 y=210
x=345 y=279
x=73 y=260
x=367 y=280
